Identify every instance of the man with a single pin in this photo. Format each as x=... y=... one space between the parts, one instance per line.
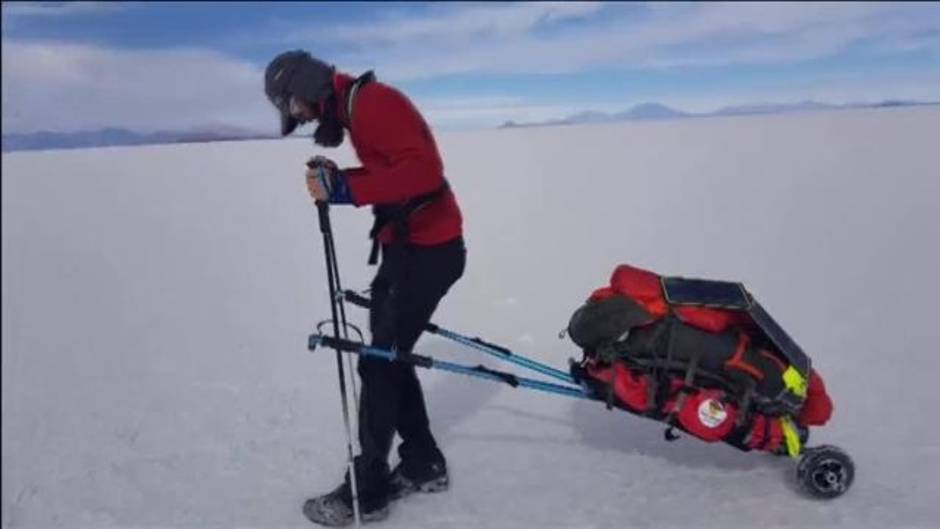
x=418 y=228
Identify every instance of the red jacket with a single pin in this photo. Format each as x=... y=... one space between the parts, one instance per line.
x=399 y=160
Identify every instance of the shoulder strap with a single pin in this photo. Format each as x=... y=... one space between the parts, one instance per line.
x=361 y=81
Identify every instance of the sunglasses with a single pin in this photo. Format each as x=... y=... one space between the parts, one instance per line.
x=293 y=107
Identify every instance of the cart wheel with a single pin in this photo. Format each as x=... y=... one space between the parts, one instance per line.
x=825 y=472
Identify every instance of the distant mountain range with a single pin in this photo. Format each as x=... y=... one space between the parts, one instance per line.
x=116 y=136
x=656 y=111
x=643 y=112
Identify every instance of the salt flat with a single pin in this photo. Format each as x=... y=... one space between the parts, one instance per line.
x=157 y=300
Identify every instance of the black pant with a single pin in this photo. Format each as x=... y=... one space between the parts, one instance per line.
x=410 y=283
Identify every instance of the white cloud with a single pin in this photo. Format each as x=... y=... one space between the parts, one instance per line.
x=55 y=86
x=65 y=86
x=61 y=8
x=455 y=26
x=668 y=35
x=474 y=112
x=59 y=86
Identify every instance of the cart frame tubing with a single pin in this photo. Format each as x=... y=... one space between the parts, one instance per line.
x=507 y=355
x=476 y=343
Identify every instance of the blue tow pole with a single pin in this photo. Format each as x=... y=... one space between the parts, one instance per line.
x=523 y=382
x=432 y=363
x=505 y=354
x=476 y=343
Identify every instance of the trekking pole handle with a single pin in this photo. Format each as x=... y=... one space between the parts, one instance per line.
x=323 y=209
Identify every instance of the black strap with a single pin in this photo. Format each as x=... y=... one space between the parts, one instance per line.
x=661 y=341
x=418 y=360
x=670 y=434
x=508 y=378
x=360 y=81
x=610 y=396
x=744 y=405
x=767 y=430
x=497 y=348
x=652 y=395
x=684 y=391
x=398 y=215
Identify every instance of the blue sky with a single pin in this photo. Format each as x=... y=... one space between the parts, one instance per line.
x=169 y=65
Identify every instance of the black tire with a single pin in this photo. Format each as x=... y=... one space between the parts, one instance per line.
x=825 y=472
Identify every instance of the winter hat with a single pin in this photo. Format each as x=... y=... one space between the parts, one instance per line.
x=296 y=74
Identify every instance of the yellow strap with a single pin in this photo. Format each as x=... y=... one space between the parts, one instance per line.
x=790 y=436
x=795 y=382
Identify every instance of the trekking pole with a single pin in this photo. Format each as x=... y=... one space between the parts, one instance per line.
x=339 y=302
x=338 y=297
x=329 y=251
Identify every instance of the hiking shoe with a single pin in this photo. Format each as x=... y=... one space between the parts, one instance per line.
x=335 y=509
x=406 y=480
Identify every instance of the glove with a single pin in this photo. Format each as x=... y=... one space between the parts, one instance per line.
x=330 y=178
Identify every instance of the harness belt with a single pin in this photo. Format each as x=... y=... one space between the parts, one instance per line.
x=398 y=215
